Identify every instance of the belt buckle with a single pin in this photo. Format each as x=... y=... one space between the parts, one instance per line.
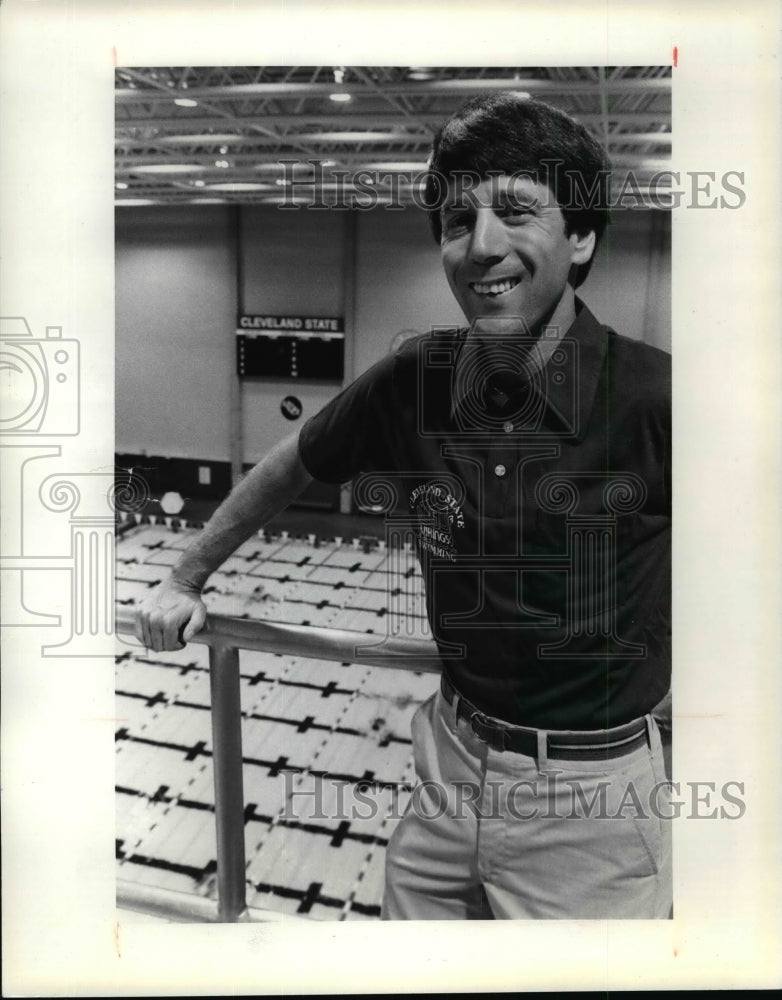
x=493 y=734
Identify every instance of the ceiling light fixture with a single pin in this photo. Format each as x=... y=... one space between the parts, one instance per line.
x=121 y=186
x=420 y=73
x=398 y=165
x=373 y=136
x=285 y=199
x=239 y=186
x=340 y=98
x=202 y=138
x=185 y=102
x=167 y=168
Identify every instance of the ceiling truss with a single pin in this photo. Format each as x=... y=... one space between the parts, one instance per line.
x=245 y=127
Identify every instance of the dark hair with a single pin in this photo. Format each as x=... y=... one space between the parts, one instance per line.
x=507 y=134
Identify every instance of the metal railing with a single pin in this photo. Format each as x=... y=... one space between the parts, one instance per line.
x=225 y=637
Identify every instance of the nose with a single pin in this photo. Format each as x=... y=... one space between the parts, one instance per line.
x=489 y=243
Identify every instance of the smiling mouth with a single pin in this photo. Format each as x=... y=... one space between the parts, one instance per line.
x=494 y=288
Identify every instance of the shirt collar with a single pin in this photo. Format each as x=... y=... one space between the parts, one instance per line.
x=567 y=392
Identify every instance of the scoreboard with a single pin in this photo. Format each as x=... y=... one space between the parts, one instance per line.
x=291 y=347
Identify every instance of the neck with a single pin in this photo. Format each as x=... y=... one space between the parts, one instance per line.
x=561 y=317
x=553 y=329
x=545 y=335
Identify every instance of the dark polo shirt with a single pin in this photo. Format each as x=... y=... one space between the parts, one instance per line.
x=539 y=502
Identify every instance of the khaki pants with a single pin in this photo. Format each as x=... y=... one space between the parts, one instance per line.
x=491 y=834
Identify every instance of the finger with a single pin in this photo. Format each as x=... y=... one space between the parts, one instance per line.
x=138 y=628
x=196 y=623
x=156 y=639
x=172 y=624
x=146 y=637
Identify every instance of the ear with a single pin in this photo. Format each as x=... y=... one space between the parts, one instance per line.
x=583 y=245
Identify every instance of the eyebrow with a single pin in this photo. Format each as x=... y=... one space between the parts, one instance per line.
x=502 y=199
x=524 y=199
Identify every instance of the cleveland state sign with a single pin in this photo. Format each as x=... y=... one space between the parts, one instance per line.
x=292 y=324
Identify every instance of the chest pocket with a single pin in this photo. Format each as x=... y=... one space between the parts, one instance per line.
x=573 y=565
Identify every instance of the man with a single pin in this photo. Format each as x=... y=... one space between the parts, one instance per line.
x=533 y=452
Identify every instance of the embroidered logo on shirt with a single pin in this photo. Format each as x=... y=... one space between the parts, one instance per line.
x=438 y=512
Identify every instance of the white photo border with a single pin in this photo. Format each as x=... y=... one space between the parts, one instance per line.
x=61 y=933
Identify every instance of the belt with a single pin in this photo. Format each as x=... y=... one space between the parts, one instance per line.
x=593 y=744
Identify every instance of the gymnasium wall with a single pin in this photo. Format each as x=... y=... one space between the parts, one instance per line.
x=174 y=320
x=291 y=264
x=183 y=273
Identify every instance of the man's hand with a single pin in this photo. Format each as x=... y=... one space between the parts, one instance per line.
x=170 y=617
x=174 y=612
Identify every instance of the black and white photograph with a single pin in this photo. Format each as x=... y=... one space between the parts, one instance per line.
x=390 y=432
x=499 y=486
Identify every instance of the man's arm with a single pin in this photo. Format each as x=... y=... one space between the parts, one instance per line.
x=175 y=606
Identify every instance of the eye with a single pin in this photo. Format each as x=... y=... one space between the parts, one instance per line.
x=516 y=212
x=457 y=223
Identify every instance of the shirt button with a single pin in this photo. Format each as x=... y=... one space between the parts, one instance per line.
x=507 y=427
x=499 y=470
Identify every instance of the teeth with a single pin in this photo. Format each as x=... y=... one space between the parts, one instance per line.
x=495 y=287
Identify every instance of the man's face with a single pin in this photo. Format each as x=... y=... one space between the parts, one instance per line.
x=505 y=251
